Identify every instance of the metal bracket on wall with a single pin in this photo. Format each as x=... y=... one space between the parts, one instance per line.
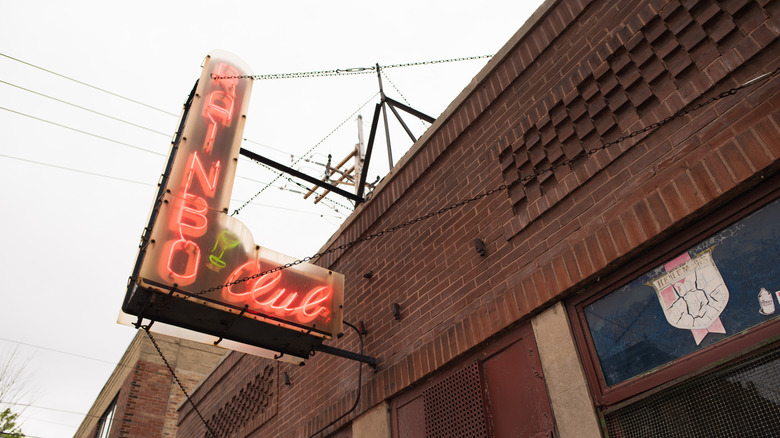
x=370 y=361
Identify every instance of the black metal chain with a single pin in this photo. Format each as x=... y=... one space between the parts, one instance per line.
x=356 y=241
x=345 y=71
x=535 y=174
x=162 y=356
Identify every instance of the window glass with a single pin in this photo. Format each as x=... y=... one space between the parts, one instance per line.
x=106 y=420
x=722 y=286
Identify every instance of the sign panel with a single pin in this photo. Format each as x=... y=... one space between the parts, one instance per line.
x=197 y=252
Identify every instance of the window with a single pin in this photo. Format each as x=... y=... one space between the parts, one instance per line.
x=106 y=421
x=704 y=296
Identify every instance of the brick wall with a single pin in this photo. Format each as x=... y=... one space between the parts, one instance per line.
x=142 y=401
x=147 y=396
x=586 y=73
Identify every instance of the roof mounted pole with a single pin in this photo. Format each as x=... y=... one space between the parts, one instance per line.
x=383 y=102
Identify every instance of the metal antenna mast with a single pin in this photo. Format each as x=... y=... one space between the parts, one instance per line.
x=361 y=165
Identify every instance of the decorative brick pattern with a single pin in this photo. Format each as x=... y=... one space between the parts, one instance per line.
x=637 y=77
x=257 y=399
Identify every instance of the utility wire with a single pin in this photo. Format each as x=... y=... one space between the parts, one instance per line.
x=83 y=132
x=90 y=86
x=100 y=175
x=26 y=405
x=115 y=364
x=84 y=172
x=59 y=351
x=86 y=109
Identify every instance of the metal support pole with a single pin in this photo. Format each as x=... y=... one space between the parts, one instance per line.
x=384 y=117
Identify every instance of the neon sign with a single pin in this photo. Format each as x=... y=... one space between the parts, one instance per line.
x=195 y=247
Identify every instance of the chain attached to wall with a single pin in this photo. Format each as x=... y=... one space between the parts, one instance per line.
x=176 y=378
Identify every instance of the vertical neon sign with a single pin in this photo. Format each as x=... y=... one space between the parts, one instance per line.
x=195 y=246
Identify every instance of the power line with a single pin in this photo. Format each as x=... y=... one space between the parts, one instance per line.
x=83 y=132
x=27 y=405
x=100 y=175
x=85 y=109
x=90 y=86
x=76 y=170
x=58 y=351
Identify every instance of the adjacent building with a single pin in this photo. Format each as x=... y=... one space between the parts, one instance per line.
x=598 y=254
x=141 y=398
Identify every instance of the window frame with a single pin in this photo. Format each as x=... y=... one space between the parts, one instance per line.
x=106 y=420
x=662 y=249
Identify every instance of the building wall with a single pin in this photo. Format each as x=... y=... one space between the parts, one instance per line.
x=147 y=396
x=579 y=75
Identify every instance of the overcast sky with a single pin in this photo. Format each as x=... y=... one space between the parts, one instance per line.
x=78 y=166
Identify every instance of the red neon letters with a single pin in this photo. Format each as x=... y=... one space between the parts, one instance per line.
x=200 y=246
x=263 y=294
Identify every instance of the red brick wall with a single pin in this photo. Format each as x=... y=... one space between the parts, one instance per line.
x=587 y=73
x=141 y=404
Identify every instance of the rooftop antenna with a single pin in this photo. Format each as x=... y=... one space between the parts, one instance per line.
x=346 y=176
x=360 y=169
x=382 y=106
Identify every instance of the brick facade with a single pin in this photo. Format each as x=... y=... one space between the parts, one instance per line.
x=147 y=397
x=579 y=75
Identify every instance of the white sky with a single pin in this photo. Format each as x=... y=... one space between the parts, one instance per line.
x=71 y=236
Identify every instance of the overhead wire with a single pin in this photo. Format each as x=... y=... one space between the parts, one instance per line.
x=297 y=160
x=89 y=85
x=80 y=131
x=70 y=169
x=116 y=178
x=85 y=109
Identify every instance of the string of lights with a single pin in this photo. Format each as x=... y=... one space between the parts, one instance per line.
x=347 y=71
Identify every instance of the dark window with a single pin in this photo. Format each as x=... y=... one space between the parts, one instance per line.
x=725 y=285
x=683 y=339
